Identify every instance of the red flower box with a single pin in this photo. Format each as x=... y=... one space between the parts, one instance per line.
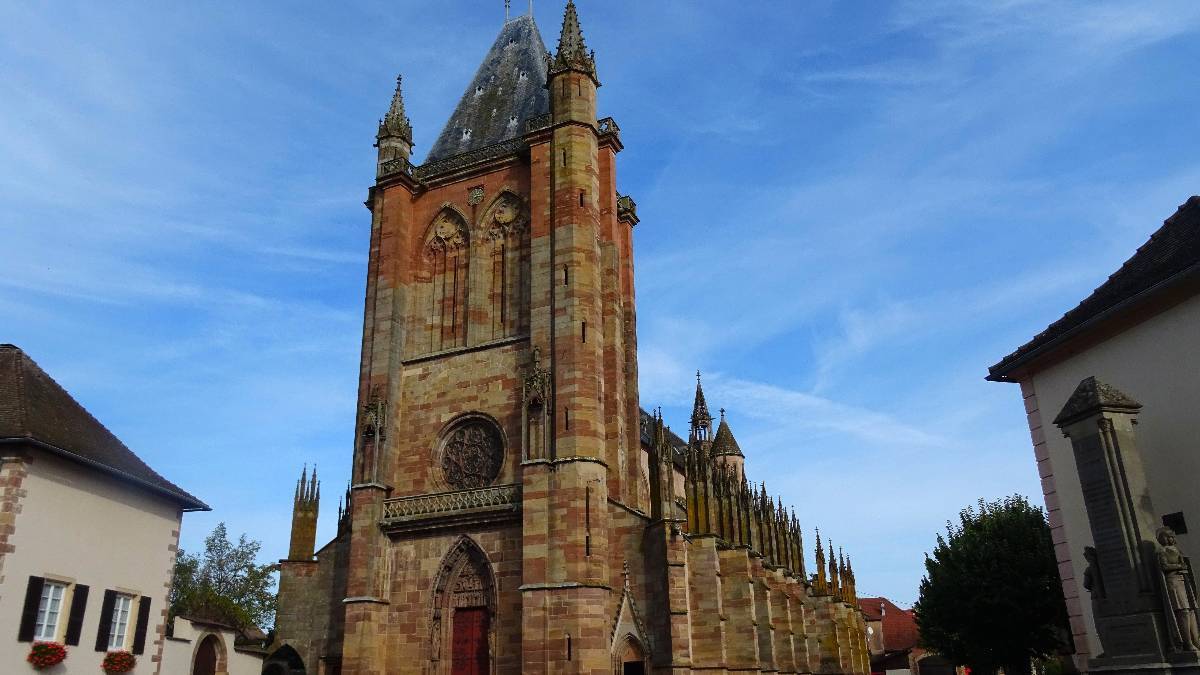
x=43 y=655
x=118 y=662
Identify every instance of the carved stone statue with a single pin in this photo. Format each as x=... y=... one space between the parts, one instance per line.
x=1180 y=591
x=1093 y=581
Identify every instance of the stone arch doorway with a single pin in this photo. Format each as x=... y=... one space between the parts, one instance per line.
x=209 y=657
x=464 y=610
x=630 y=657
x=284 y=661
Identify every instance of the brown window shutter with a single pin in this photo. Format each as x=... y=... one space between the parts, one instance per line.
x=33 y=598
x=75 y=620
x=106 y=609
x=143 y=621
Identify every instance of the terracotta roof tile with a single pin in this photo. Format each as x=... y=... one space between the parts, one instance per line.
x=899 y=627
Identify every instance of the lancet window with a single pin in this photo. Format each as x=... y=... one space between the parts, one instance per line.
x=441 y=304
x=505 y=224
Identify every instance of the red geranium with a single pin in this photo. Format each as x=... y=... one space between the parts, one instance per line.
x=118 y=662
x=45 y=654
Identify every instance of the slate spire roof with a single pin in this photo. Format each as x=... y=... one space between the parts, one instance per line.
x=35 y=409
x=508 y=88
x=724 y=442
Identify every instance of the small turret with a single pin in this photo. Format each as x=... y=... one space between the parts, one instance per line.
x=394 y=138
x=304 y=516
x=725 y=447
x=572 y=74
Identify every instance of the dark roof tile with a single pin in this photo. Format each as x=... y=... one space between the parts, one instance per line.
x=508 y=88
x=35 y=407
x=1172 y=250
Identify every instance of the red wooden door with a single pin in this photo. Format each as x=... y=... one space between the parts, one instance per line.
x=470 y=641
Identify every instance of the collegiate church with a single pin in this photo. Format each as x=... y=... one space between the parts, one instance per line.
x=512 y=508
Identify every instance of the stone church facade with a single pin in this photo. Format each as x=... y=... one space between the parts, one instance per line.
x=512 y=507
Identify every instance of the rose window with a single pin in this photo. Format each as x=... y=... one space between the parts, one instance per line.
x=472 y=454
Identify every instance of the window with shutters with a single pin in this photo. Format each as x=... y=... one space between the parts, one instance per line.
x=118 y=631
x=49 y=611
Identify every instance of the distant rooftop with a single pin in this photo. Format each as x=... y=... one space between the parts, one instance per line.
x=509 y=88
x=1171 y=253
x=35 y=408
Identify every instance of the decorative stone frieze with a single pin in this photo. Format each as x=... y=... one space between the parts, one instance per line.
x=449 y=509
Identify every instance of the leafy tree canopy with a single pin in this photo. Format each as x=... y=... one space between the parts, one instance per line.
x=225 y=583
x=991 y=597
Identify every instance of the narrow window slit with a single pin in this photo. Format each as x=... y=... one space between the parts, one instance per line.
x=567 y=418
x=583 y=332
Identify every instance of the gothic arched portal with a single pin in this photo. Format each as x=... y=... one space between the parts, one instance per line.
x=463 y=630
x=630 y=657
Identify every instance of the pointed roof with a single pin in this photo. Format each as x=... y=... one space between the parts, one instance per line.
x=572 y=51
x=700 y=414
x=724 y=442
x=36 y=409
x=508 y=88
x=396 y=123
x=1170 y=256
x=1093 y=396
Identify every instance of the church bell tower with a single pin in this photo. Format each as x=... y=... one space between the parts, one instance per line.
x=498 y=408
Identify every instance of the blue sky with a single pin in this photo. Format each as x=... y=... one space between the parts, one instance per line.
x=849 y=210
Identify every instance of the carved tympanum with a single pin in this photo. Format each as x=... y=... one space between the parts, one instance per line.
x=504 y=216
x=448 y=233
x=472 y=454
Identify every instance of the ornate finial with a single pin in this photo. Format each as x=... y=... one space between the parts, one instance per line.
x=697 y=378
x=625 y=572
x=572 y=52
x=722 y=413
x=395 y=123
x=507 y=6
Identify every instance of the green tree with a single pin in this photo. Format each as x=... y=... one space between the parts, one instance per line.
x=225 y=583
x=991 y=597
